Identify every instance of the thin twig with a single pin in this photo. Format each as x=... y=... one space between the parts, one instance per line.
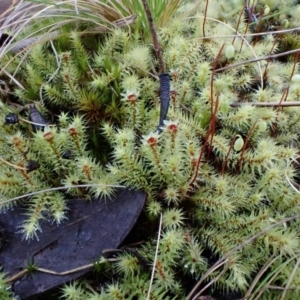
x=85 y=267
x=267 y=104
x=275 y=275
x=213 y=280
x=155 y=258
x=258 y=276
x=262 y=287
x=273 y=287
x=235 y=249
x=290 y=279
x=267 y=57
x=227 y=36
x=204 y=21
x=156 y=44
x=12 y=165
x=61 y=188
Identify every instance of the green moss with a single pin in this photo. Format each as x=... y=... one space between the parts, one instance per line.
x=218 y=173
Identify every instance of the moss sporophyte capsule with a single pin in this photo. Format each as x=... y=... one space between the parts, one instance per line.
x=239 y=143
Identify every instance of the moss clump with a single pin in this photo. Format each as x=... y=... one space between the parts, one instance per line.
x=220 y=170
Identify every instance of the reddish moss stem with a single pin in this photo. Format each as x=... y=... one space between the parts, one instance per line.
x=245 y=145
x=212 y=125
x=227 y=155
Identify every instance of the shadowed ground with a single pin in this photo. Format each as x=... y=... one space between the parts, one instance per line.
x=4 y=5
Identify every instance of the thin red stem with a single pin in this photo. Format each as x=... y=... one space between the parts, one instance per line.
x=245 y=145
x=213 y=111
x=204 y=21
x=227 y=155
x=238 y=23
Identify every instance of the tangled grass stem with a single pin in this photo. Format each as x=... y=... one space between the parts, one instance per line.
x=43 y=270
x=222 y=260
x=59 y=189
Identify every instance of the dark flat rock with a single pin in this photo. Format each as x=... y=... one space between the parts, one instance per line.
x=91 y=227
